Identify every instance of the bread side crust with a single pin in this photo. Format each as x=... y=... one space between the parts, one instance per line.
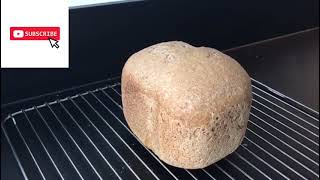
x=197 y=147
x=173 y=140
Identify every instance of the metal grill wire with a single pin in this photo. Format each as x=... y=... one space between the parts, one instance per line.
x=281 y=141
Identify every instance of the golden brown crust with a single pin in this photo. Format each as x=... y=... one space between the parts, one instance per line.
x=189 y=105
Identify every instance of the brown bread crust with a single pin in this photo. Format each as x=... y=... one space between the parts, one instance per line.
x=189 y=105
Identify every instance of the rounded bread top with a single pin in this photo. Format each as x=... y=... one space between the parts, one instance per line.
x=190 y=83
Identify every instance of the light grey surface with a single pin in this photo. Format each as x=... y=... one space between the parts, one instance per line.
x=86 y=3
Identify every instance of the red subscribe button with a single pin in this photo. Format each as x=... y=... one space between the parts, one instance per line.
x=34 y=33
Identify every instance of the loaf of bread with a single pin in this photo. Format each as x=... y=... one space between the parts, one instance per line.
x=189 y=105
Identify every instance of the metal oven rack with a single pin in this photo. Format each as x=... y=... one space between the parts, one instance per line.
x=84 y=136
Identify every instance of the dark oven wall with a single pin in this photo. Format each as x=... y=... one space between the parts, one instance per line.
x=103 y=37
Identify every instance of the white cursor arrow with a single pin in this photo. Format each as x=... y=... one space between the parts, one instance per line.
x=54 y=43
